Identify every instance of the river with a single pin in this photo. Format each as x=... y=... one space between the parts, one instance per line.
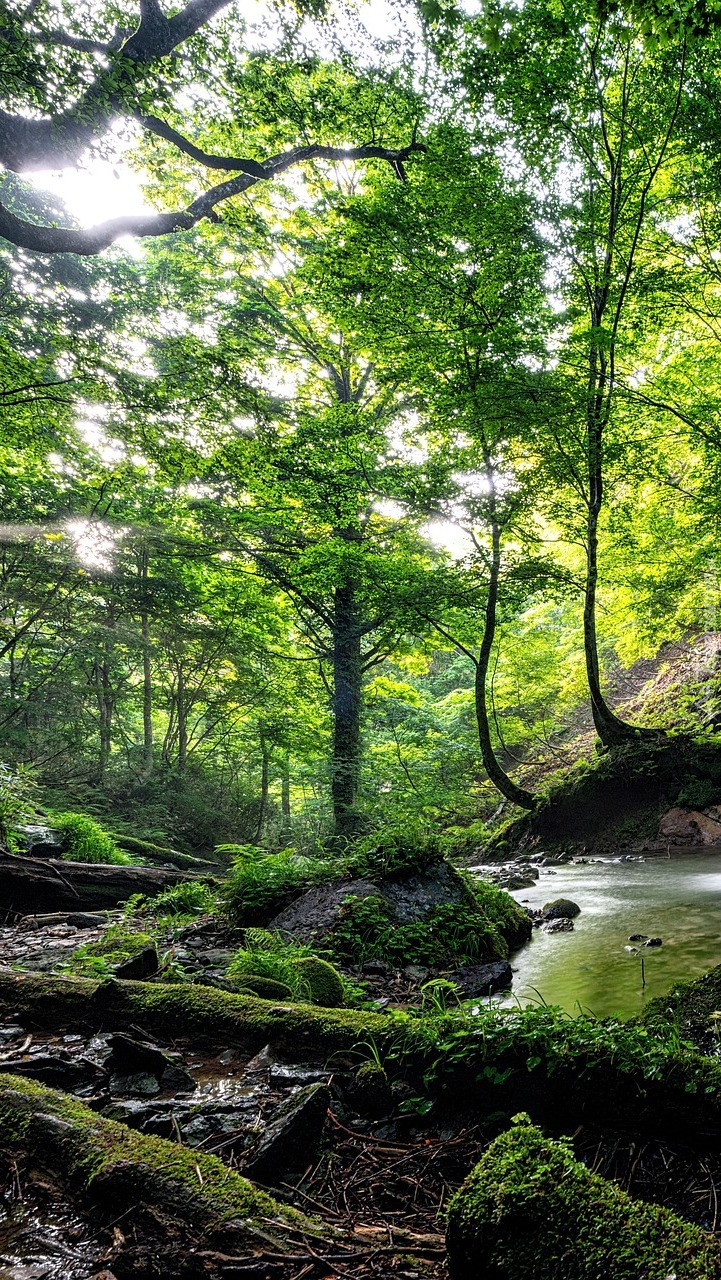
x=677 y=899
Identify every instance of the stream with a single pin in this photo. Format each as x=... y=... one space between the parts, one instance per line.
x=677 y=899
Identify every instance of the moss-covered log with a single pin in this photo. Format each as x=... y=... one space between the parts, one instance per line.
x=198 y=1198
x=531 y=1209
x=220 y=1017
x=31 y=885
x=563 y=1071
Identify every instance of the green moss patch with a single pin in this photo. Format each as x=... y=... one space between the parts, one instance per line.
x=530 y=1209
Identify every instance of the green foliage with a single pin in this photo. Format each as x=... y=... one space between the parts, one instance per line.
x=187 y=898
x=453 y=933
x=259 y=883
x=397 y=849
x=18 y=802
x=87 y=840
x=267 y=955
x=530 y=1208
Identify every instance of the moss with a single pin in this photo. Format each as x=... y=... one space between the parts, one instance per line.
x=371 y=1091
x=691 y=1009
x=529 y=1208
x=323 y=983
x=107 y=1161
x=118 y=944
x=267 y=988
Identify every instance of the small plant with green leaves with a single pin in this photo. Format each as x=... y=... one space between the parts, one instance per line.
x=261 y=883
x=87 y=840
x=403 y=849
x=306 y=976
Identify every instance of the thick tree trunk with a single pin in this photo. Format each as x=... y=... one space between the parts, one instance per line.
x=30 y=885
x=347 y=684
x=496 y=773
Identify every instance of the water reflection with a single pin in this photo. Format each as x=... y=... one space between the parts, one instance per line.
x=676 y=899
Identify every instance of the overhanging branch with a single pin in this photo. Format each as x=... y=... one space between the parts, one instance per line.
x=92 y=240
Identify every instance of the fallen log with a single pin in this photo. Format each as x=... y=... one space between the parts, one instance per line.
x=32 y=885
x=195 y=1202
x=563 y=1073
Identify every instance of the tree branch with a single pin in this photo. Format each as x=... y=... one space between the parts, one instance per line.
x=50 y=240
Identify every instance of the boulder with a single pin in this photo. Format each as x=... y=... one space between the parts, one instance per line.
x=691 y=826
x=560 y=908
x=558 y=924
x=530 y=1209
x=291 y=1137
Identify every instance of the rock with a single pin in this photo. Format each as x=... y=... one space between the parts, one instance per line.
x=128 y=1056
x=58 y=1071
x=376 y=968
x=637 y=937
x=258 y=985
x=416 y=972
x=143 y=965
x=283 y=1074
x=291 y=1137
x=176 y=1079
x=138 y=1083
x=560 y=908
x=483 y=979
x=370 y=1092
x=691 y=826
x=317 y=910
x=653 y=942
x=261 y=1062
x=227 y=1057
x=558 y=924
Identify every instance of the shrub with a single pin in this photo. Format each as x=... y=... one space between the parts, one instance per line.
x=399 y=850
x=323 y=983
x=87 y=841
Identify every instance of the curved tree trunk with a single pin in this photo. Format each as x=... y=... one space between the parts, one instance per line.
x=496 y=773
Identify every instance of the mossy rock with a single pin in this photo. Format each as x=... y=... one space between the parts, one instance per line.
x=529 y=1208
x=323 y=983
x=370 y=1092
x=267 y=988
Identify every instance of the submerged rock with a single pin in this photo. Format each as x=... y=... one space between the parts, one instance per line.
x=558 y=924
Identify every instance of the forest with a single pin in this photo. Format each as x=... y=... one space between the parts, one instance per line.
x=360 y=648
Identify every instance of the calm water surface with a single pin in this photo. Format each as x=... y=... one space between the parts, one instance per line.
x=677 y=899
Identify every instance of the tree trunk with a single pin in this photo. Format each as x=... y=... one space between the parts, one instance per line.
x=496 y=773
x=286 y=831
x=147 y=765
x=182 y=722
x=347 y=682
x=610 y=728
x=264 y=781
